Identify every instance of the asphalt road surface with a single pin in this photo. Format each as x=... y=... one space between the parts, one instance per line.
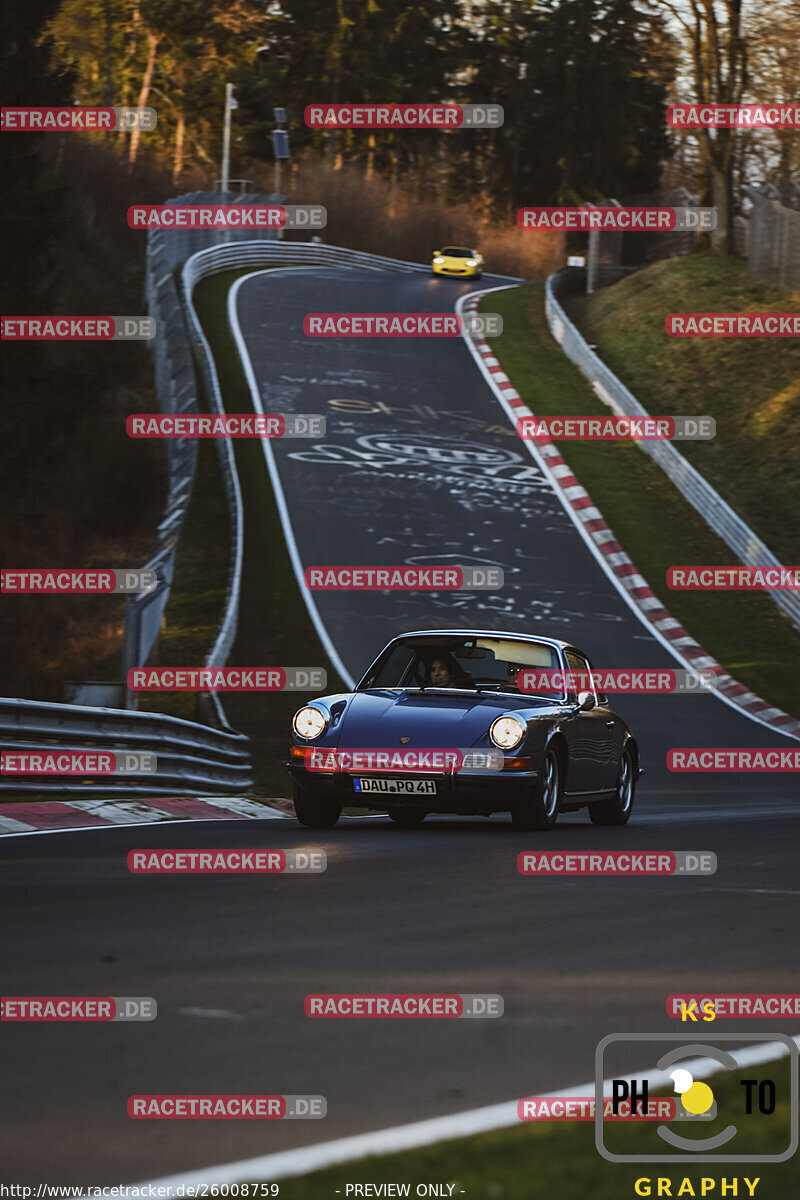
x=441 y=908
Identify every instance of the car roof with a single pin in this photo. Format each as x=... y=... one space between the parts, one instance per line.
x=492 y=633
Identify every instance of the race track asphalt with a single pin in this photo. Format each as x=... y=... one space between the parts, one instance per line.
x=420 y=470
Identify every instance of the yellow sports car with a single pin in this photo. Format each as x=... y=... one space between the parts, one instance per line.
x=457 y=260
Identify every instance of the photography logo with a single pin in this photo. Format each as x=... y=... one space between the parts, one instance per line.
x=703 y=1124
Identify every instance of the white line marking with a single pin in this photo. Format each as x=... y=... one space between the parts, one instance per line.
x=759 y=891
x=222 y=1014
x=272 y=467
x=303 y=1160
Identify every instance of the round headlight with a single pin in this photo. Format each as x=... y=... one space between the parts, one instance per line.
x=472 y=262
x=309 y=723
x=506 y=732
x=438 y=261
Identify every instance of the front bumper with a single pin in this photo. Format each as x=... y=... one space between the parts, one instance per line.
x=456 y=792
x=443 y=269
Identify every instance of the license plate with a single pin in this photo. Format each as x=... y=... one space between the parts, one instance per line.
x=405 y=787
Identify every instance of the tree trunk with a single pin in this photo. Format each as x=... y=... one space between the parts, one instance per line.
x=180 y=133
x=144 y=94
x=109 y=72
x=721 y=240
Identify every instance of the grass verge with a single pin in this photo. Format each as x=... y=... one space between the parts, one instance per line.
x=274 y=626
x=751 y=386
x=744 y=631
x=540 y=1161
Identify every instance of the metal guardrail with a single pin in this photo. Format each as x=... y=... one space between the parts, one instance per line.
x=701 y=495
x=191 y=758
x=176 y=388
x=227 y=257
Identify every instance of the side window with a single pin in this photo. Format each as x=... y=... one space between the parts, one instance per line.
x=579 y=667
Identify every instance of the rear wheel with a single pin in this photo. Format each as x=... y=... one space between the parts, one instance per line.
x=316 y=812
x=407 y=817
x=542 y=811
x=617 y=810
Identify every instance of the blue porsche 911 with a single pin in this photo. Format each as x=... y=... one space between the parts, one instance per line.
x=439 y=723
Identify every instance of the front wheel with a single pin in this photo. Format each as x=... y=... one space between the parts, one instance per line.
x=617 y=810
x=316 y=812
x=409 y=818
x=542 y=812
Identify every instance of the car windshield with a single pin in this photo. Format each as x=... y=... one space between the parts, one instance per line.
x=485 y=663
x=457 y=252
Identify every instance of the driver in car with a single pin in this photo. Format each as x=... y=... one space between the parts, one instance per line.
x=444 y=671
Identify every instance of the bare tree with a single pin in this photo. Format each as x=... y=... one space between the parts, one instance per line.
x=717 y=59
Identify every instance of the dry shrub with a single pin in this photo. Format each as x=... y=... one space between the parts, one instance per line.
x=370 y=215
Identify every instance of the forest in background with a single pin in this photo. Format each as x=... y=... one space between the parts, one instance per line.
x=584 y=85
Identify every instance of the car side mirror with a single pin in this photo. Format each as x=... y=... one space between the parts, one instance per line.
x=586 y=701
x=437 y=252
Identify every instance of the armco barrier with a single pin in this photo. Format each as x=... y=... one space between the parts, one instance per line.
x=227 y=257
x=191 y=758
x=744 y=543
x=176 y=388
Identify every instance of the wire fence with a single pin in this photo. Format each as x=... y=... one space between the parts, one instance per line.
x=690 y=483
x=771 y=237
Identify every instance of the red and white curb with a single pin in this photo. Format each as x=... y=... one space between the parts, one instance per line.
x=47 y=816
x=601 y=541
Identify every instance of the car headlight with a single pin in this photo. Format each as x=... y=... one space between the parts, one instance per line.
x=309 y=723
x=438 y=261
x=506 y=732
x=472 y=262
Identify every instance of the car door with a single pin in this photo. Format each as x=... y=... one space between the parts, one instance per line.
x=593 y=736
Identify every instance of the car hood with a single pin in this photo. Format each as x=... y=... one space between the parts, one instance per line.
x=431 y=719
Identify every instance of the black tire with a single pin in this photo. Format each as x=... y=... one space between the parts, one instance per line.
x=617 y=810
x=316 y=812
x=542 y=812
x=409 y=818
